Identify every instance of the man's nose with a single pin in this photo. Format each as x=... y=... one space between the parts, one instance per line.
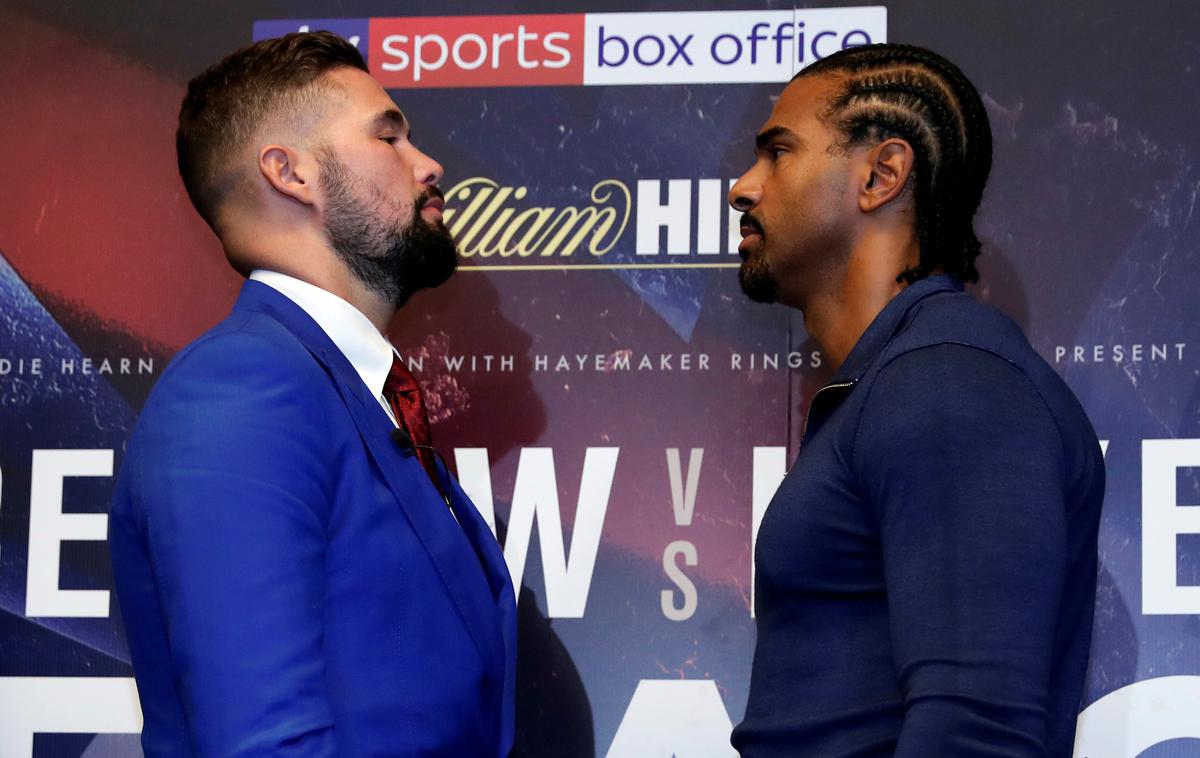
x=427 y=171
x=744 y=194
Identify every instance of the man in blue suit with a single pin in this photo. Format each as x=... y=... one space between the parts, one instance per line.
x=297 y=573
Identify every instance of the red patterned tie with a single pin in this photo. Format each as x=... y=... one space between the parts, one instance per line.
x=404 y=396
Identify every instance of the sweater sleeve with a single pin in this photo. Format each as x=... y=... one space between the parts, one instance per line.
x=963 y=463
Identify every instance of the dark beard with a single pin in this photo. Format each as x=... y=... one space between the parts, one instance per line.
x=754 y=274
x=755 y=278
x=392 y=260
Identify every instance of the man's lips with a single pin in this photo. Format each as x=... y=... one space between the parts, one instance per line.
x=432 y=208
x=750 y=232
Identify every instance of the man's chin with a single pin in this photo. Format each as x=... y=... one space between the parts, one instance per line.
x=442 y=274
x=441 y=256
x=756 y=281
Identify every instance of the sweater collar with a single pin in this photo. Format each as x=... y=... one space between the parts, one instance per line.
x=884 y=326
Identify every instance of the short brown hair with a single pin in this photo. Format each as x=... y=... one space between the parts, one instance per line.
x=227 y=103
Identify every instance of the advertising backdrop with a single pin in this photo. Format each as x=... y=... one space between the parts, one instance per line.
x=610 y=400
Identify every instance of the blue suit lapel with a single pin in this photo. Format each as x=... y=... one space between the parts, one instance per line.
x=484 y=600
x=500 y=581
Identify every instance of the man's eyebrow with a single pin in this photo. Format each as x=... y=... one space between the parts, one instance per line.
x=767 y=135
x=391 y=117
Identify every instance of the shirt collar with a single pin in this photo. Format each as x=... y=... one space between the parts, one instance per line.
x=884 y=326
x=355 y=336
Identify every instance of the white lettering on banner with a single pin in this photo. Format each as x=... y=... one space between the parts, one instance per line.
x=733 y=236
x=674 y=718
x=683 y=498
x=393 y=45
x=419 y=43
x=770 y=466
x=676 y=575
x=64 y=705
x=675 y=215
x=704 y=197
x=708 y=225
x=32 y=367
x=1129 y=721
x=1163 y=520
x=1104 y=448
x=468 y=52
x=1121 y=355
x=535 y=493
x=49 y=527
x=720 y=46
x=105 y=366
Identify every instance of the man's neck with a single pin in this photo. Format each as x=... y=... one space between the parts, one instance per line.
x=375 y=307
x=313 y=262
x=338 y=281
x=837 y=317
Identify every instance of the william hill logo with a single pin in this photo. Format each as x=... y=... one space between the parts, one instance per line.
x=678 y=223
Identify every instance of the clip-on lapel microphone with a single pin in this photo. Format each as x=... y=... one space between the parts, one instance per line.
x=404 y=441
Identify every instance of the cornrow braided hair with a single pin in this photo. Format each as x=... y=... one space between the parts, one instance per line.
x=920 y=97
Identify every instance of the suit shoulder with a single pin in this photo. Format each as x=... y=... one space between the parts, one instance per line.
x=243 y=344
x=247 y=367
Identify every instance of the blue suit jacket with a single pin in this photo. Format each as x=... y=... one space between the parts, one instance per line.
x=291 y=583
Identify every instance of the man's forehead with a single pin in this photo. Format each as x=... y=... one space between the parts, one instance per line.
x=802 y=103
x=363 y=92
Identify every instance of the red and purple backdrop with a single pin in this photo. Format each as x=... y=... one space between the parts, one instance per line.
x=607 y=395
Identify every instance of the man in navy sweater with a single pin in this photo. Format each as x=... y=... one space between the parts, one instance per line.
x=926 y=571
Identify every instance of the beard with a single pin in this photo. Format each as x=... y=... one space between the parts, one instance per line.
x=393 y=253
x=756 y=280
x=754 y=275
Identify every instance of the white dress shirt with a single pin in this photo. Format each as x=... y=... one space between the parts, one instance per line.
x=368 y=351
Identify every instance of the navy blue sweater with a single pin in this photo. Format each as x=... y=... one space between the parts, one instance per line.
x=926 y=571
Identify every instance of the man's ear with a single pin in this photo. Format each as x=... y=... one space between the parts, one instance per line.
x=890 y=163
x=288 y=173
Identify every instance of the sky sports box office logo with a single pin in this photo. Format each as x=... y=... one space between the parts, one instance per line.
x=597 y=48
